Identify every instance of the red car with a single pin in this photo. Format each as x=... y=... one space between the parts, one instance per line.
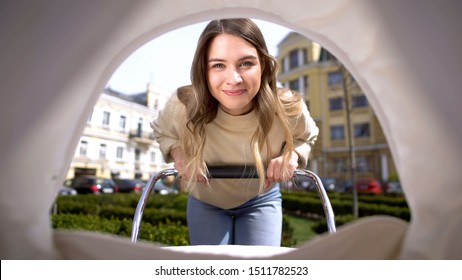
x=368 y=186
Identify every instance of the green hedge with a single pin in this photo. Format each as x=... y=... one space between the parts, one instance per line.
x=174 y=234
x=164 y=217
x=309 y=203
x=321 y=225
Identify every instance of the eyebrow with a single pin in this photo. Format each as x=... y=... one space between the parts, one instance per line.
x=247 y=57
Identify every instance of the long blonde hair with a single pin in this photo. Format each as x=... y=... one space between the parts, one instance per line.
x=202 y=107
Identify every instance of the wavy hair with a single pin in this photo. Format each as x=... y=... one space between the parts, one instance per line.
x=269 y=103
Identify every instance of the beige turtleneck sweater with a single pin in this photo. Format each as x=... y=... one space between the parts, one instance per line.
x=228 y=143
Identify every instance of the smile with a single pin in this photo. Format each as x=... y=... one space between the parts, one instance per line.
x=234 y=92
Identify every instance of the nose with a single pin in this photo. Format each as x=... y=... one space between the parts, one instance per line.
x=234 y=77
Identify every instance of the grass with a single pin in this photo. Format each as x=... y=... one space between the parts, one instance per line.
x=302 y=229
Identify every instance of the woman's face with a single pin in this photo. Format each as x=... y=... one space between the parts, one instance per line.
x=234 y=73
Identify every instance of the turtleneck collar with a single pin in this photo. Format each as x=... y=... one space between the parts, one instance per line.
x=239 y=123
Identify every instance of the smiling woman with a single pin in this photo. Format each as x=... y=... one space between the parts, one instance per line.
x=233 y=114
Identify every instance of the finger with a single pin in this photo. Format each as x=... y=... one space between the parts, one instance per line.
x=269 y=172
x=277 y=172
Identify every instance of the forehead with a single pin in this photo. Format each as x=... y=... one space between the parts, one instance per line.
x=230 y=46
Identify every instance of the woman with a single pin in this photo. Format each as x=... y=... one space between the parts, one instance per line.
x=233 y=114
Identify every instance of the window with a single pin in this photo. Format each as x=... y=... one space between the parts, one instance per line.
x=306 y=83
x=120 y=152
x=359 y=101
x=293 y=85
x=339 y=165
x=83 y=148
x=284 y=66
x=137 y=154
x=362 y=130
x=102 y=151
x=325 y=55
x=293 y=59
x=335 y=78
x=305 y=56
x=337 y=132
x=336 y=103
x=122 y=122
x=363 y=164
x=139 y=131
x=106 y=118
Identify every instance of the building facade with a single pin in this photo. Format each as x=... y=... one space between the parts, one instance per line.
x=329 y=90
x=118 y=140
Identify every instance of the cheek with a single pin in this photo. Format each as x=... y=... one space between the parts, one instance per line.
x=254 y=77
x=213 y=80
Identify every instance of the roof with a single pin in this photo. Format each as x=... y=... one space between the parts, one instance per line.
x=139 y=98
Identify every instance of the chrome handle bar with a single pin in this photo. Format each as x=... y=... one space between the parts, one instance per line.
x=229 y=172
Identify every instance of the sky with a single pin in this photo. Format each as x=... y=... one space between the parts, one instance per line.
x=165 y=61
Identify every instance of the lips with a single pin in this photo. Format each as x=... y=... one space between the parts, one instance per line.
x=234 y=92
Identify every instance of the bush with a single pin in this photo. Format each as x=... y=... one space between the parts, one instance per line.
x=164 y=217
x=308 y=203
x=172 y=234
x=321 y=225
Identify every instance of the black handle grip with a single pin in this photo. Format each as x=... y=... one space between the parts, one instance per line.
x=233 y=172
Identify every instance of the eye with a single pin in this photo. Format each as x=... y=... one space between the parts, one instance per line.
x=246 y=63
x=218 y=65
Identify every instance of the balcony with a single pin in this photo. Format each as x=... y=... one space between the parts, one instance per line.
x=141 y=137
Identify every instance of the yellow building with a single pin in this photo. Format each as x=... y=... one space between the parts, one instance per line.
x=311 y=70
x=118 y=140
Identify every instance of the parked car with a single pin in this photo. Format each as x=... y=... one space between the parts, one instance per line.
x=308 y=184
x=162 y=189
x=347 y=186
x=130 y=185
x=65 y=190
x=393 y=187
x=331 y=184
x=304 y=183
x=93 y=185
x=368 y=186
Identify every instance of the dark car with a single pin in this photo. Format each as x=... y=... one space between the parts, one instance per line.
x=308 y=184
x=303 y=183
x=65 y=190
x=332 y=184
x=393 y=187
x=130 y=185
x=162 y=189
x=93 y=185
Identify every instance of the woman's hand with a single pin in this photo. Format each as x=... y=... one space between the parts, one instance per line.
x=180 y=165
x=274 y=173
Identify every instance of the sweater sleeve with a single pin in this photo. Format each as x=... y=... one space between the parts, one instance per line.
x=167 y=126
x=305 y=134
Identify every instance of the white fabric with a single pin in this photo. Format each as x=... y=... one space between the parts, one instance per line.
x=382 y=241
x=237 y=251
x=57 y=56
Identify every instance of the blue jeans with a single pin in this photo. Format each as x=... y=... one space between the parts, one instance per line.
x=256 y=222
